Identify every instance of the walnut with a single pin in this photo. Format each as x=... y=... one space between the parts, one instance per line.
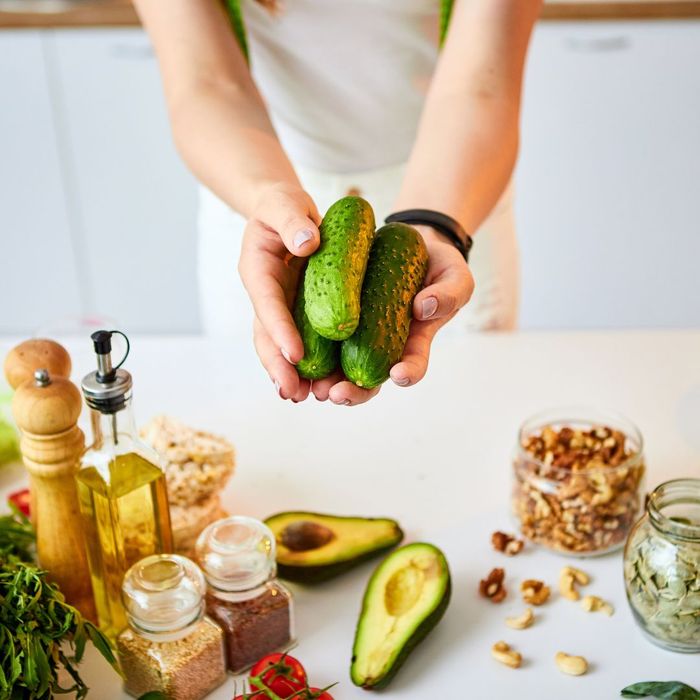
x=492 y=586
x=508 y=544
x=534 y=592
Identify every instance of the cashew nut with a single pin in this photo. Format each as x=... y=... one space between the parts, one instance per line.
x=592 y=603
x=521 y=622
x=505 y=655
x=568 y=578
x=572 y=665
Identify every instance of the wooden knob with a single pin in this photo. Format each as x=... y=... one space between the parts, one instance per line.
x=46 y=405
x=38 y=353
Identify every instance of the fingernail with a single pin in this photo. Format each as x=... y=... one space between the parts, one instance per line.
x=286 y=356
x=344 y=402
x=404 y=381
x=302 y=237
x=428 y=307
x=278 y=390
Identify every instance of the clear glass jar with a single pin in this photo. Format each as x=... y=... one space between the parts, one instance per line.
x=578 y=480
x=662 y=566
x=254 y=609
x=169 y=646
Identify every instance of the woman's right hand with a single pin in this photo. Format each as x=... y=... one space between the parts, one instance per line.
x=282 y=228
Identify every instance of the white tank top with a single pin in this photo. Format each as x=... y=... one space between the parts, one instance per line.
x=344 y=80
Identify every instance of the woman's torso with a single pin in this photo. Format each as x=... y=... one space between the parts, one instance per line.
x=344 y=80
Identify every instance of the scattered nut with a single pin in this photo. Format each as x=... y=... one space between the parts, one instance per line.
x=492 y=586
x=534 y=592
x=567 y=580
x=508 y=544
x=577 y=490
x=503 y=653
x=521 y=622
x=592 y=603
x=571 y=665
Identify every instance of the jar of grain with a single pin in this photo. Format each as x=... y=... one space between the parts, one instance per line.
x=170 y=645
x=237 y=555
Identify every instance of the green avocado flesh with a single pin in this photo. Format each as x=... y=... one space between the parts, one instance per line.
x=404 y=600
x=336 y=270
x=321 y=355
x=397 y=266
x=313 y=547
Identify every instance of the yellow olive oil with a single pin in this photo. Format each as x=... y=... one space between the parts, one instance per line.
x=124 y=504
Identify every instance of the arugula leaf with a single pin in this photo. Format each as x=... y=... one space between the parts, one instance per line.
x=667 y=690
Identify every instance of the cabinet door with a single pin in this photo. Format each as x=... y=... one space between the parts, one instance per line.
x=39 y=282
x=136 y=201
x=608 y=184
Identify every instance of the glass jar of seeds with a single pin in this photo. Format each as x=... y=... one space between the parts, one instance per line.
x=662 y=566
x=170 y=645
x=237 y=555
x=578 y=480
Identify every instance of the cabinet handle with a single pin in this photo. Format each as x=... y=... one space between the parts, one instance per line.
x=598 y=44
x=131 y=52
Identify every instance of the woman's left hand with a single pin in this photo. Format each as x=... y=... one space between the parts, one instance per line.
x=448 y=287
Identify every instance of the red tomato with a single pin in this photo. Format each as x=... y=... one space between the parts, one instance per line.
x=318 y=695
x=282 y=674
x=21 y=499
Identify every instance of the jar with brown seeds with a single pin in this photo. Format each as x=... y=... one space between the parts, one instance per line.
x=170 y=646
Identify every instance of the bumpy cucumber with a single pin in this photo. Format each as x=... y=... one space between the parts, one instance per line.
x=336 y=270
x=397 y=265
x=320 y=354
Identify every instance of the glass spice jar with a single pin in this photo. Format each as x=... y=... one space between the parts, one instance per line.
x=578 y=480
x=237 y=555
x=170 y=645
x=662 y=566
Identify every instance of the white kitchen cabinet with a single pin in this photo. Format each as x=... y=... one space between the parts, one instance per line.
x=608 y=183
x=39 y=278
x=135 y=200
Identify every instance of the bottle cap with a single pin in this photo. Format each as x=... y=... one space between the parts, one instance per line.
x=107 y=389
x=237 y=553
x=163 y=593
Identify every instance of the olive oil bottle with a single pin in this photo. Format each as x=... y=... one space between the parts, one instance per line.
x=121 y=489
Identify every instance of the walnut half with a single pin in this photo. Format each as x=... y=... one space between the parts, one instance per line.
x=492 y=586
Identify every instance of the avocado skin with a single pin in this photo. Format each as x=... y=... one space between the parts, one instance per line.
x=422 y=631
x=336 y=270
x=318 y=573
x=397 y=266
x=321 y=355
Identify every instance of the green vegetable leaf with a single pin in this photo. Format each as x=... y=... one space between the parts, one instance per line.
x=154 y=695
x=668 y=690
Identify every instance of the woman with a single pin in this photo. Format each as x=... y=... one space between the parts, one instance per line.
x=346 y=96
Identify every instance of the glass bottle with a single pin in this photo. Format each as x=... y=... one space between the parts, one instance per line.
x=121 y=489
x=662 y=566
x=244 y=597
x=169 y=646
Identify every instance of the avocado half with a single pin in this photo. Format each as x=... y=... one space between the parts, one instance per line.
x=405 y=599
x=313 y=547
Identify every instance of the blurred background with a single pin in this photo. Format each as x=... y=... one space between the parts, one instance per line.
x=97 y=213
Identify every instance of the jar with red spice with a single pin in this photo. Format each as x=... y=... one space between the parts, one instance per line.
x=244 y=597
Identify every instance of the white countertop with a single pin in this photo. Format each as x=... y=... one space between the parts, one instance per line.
x=437 y=458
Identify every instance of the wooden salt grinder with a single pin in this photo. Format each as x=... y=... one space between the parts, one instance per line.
x=46 y=409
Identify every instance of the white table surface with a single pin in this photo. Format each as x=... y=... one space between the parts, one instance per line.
x=436 y=457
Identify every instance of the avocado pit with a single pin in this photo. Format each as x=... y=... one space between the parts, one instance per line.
x=305 y=535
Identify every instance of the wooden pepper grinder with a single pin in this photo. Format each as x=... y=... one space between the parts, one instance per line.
x=46 y=408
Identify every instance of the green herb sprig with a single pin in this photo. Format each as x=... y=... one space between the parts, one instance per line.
x=667 y=690
x=16 y=537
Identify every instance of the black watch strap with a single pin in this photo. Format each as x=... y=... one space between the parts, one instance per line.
x=446 y=225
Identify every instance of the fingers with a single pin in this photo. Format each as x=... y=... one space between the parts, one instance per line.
x=346 y=393
x=287 y=383
x=261 y=273
x=414 y=362
x=294 y=216
x=321 y=387
x=450 y=286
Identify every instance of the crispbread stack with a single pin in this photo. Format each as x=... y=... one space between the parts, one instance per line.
x=197 y=467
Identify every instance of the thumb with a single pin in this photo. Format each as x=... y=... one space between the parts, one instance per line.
x=294 y=219
x=447 y=294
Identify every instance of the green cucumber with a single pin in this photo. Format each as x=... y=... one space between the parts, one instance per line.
x=320 y=354
x=335 y=272
x=397 y=265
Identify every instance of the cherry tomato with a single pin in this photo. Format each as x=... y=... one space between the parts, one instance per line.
x=21 y=499
x=285 y=676
x=318 y=695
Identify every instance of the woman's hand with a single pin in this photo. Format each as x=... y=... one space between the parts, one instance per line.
x=448 y=287
x=282 y=229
